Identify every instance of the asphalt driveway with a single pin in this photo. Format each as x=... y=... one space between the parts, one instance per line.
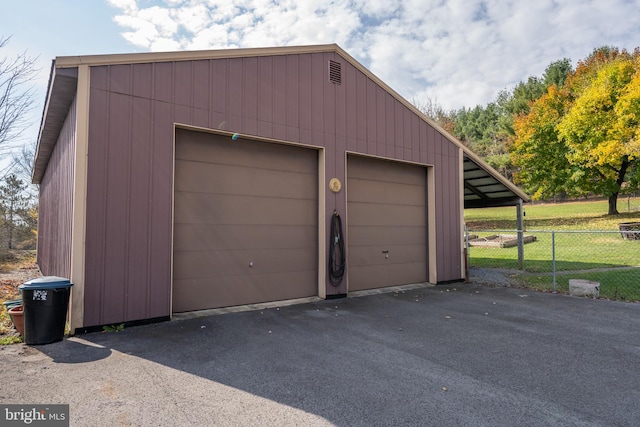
x=435 y=356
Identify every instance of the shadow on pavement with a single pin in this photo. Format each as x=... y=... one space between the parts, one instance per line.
x=75 y=350
x=445 y=355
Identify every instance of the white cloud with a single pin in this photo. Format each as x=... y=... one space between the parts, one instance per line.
x=377 y=8
x=195 y=17
x=213 y=37
x=164 y=44
x=458 y=52
x=127 y=6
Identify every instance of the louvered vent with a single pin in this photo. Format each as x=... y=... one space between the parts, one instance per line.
x=335 y=72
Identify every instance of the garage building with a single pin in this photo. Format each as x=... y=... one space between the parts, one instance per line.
x=182 y=181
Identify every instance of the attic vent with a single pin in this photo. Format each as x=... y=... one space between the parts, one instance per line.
x=335 y=72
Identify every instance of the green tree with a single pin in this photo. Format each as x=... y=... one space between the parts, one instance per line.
x=478 y=128
x=557 y=73
x=14 y=205
x=539 y=154
x=517 y=101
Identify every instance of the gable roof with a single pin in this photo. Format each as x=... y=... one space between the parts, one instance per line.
x=484 y=186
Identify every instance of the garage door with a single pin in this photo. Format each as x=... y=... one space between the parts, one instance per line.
x=386 y=208
x=245 y=222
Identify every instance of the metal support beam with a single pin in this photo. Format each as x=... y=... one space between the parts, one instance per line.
x=520 y=231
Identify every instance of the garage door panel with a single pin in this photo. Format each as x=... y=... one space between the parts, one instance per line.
x=216 y=264
x=375 y=254
x=229 y=152
x=245 y=222
x=385 y=171
x=198 y=208
x=372 y=214
x=371 y=277
x=198 y=177
x=386 y=212
x=392 y=193
x=371 y=235
x=199 y=294
x=207 y=237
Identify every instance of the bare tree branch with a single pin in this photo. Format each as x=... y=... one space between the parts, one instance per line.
x=436 y=112
x=16 y=96
x=21 y=166
x=430 y=108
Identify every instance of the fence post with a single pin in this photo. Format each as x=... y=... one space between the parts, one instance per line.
x=467 y=256
x=520 y=231
x=553 y=259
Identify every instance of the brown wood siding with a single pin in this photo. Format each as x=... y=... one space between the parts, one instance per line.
x=132 y=111
x=449 y=233
x=128 y=209
x=56 y=203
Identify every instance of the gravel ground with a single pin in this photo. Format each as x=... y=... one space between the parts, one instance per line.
x=493 y=276
x=10 y=280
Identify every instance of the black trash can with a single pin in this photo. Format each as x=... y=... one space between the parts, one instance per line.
x=45 y=301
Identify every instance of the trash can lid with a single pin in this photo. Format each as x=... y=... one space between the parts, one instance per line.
x=46 y=282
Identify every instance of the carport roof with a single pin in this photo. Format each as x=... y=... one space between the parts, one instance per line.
x=483 y=185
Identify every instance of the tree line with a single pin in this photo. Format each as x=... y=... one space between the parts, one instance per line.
x=571 y=132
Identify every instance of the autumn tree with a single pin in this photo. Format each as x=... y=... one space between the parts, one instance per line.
x=583 y=138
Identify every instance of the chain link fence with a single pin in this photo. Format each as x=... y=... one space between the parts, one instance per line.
x=548 y=260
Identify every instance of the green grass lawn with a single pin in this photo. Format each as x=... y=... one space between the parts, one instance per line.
x=574 y=251
x=580 y=247
x=588 y=215
x=621 y=285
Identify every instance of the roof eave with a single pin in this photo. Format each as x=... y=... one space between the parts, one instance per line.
x=192 y=55
x=484 y=165
x=60 y=93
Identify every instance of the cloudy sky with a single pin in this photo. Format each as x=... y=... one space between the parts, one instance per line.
x=454 y=52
